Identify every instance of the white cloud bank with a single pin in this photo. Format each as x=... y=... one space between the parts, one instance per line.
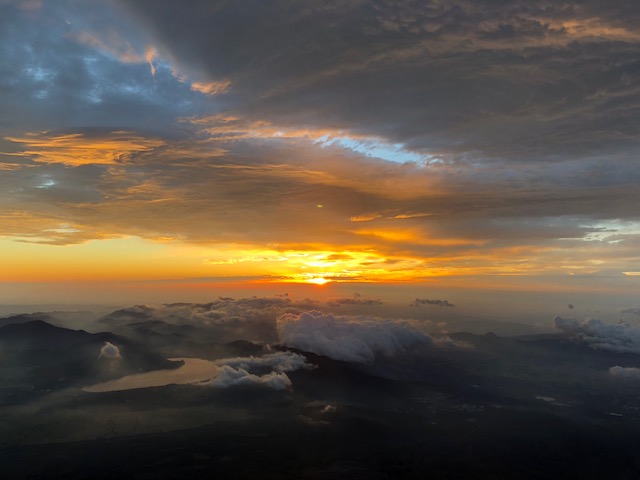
x=237 y=371
x=348 y=338
x=230 y=377
x=620 y=337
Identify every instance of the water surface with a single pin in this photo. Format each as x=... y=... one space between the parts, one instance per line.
x=194 y=370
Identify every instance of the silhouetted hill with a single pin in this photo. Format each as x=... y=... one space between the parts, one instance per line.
x=38 y=356
x=27 y=317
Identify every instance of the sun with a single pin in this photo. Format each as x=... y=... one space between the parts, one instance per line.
x=318 y=280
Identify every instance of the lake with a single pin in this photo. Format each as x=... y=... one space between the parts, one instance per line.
x=194 y=370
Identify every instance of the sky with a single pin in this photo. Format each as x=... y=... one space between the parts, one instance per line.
x=165 y=150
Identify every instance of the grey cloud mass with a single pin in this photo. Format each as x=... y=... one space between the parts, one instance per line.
x=620 y=337
x=349 y=338
x=506 y=80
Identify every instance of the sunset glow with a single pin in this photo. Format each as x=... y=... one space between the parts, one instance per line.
x=160 y=160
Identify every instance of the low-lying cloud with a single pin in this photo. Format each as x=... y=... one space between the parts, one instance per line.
x=226 y=318
x=425 y=301
x=356 y=339
x=620 y=337
x=110 y=351
x=244 y=371
x=279 y=362
x=355 y=300
x=232 y=377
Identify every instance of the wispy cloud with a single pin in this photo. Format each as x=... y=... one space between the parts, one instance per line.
x=83 y=148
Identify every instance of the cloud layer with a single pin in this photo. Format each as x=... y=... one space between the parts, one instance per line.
x=620 y=337
x=223 y=320
x=415 y=139
x=349 y=338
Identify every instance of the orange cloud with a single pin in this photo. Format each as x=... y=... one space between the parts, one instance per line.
x=594 y=29
x=76 y=149
x=211 y=88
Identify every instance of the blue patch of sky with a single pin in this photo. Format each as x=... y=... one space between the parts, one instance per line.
x=392 y=152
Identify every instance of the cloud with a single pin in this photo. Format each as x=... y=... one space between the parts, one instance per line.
x=109 y=351
x=405 y=216
x=90 y=147
x=279 y=362
x=620 y=337
x=211 y=88
x=225 y=319
x=232 y=377
x=625 y=373
x=489 y=137
x=222 y=311
x=348 y=338
x=243 y=371
x=458 y=77
x=355 y=300
x=425 y=301
x=631 y=311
